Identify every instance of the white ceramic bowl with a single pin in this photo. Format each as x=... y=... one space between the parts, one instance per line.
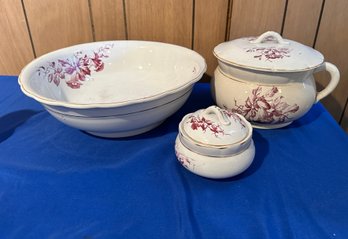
x=115 y=88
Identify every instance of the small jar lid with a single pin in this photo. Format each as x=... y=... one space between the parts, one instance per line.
x=215 y=132
x=269 y=52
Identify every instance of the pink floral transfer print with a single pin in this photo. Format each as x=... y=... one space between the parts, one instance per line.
x=269 y=53
x=198 y=123
x=266 y=107
x=185 y=161
x=201 y=123
x=76 y=69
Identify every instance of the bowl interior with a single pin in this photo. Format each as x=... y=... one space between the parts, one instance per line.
x=111 y=72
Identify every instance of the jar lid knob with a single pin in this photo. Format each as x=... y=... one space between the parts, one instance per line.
x=220 y=115
x=270 y=34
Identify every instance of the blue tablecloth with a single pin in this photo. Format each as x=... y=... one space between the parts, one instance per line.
x=59 y=182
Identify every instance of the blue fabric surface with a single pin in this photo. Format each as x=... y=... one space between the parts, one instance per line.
x=59 y=182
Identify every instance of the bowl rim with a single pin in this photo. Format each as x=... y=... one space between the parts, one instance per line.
x=45 y=100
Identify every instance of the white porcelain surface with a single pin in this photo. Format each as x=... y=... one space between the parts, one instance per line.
x=268 y=52
x=270 y=92
x=115 y=88
x=264 y=105
x=214 y=167
x=215 y=132
x=115 y=123
x=215 y=143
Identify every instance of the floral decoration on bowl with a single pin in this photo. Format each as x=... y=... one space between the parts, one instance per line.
x=76 y=69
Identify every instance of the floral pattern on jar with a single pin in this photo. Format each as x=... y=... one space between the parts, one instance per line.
x=267 y=107
x=269 y=53
x=201 y=123
x=185 y=161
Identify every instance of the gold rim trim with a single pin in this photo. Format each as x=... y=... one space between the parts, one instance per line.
x=48 y=101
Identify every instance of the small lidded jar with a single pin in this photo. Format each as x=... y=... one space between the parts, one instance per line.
x=215 y=143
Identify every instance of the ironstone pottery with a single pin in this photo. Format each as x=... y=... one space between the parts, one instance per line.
x=114 y=88
x=215 y=143
x=269 y=80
